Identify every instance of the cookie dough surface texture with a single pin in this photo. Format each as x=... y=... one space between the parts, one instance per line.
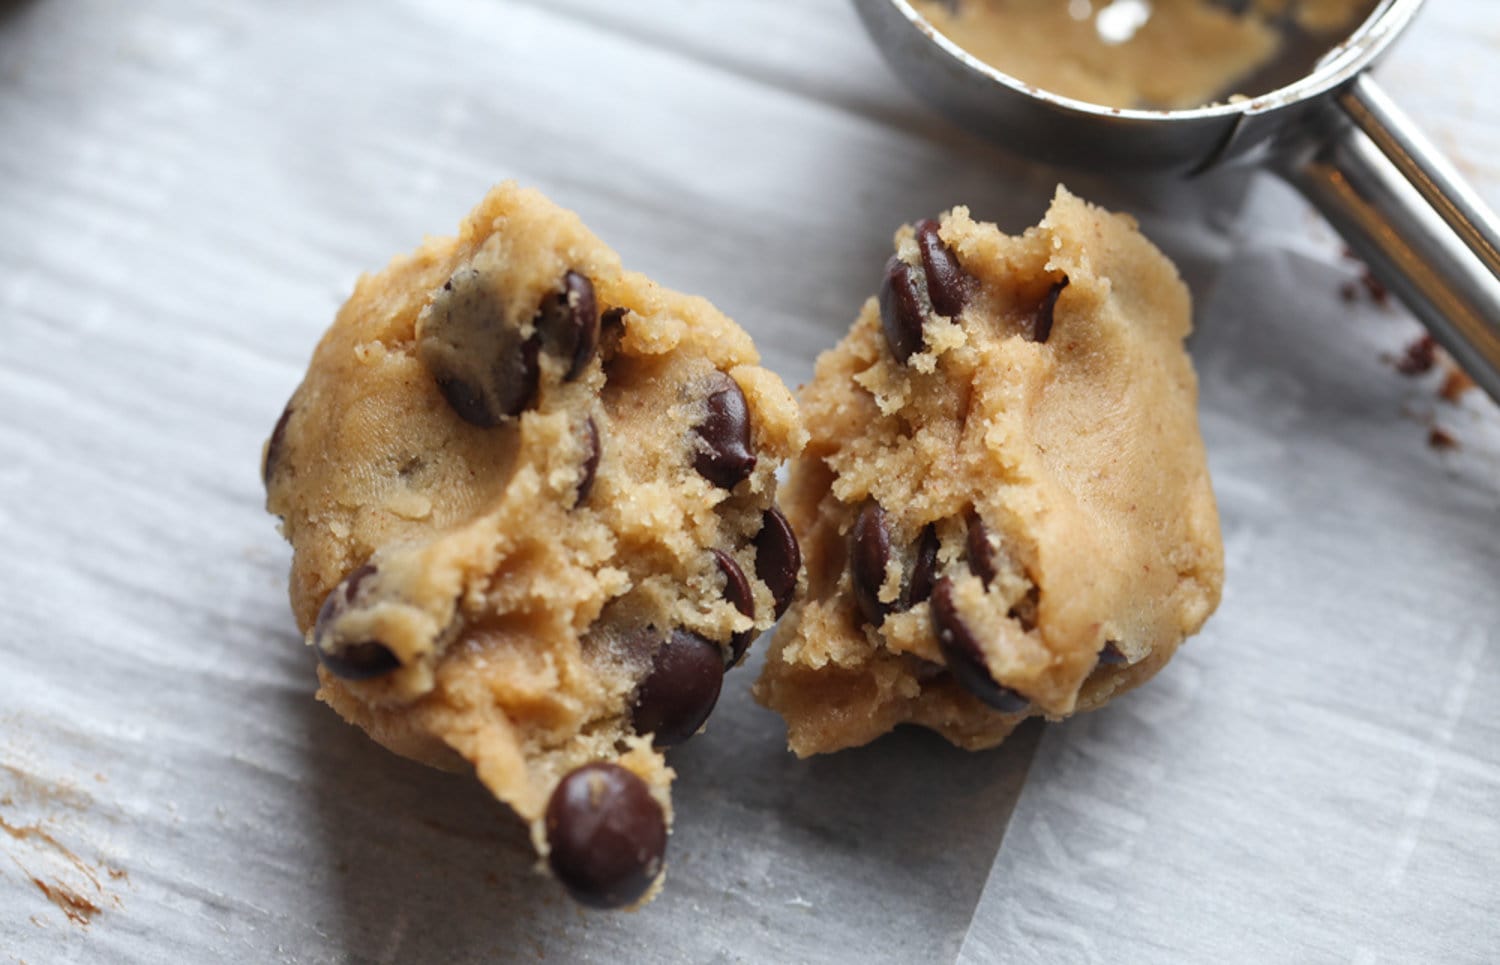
x=1004 y=505
x=1185 y=54
x=530 y=498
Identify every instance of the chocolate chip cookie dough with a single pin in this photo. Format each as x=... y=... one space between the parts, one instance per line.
x=1004 y=504
x=1186 y=53
x=530 y=499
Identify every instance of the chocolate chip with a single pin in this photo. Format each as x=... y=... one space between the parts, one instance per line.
x=606 y=835
x=925 y=568
x=1041 y=319
x=964 y=655
x=1024 y=611
x=724 y=455
x=611 y=332
x=273 y=447
x=467 y=399
x=483 y=366
x=569 y=323
x=982 y=562
x=922 y=669
x=516 y=378
x=736 y=591
x=903 y=308
x=869 y=552
x=1111 y=656
x=360 y=660
x=590 y=467
x=365 y=660
x=340 y=599
x=778 y=558
x=948 y=285
x=680 y=691
x=612 y=322
x=356 y=579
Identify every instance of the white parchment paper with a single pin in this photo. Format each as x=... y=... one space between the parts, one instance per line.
x=188 y=189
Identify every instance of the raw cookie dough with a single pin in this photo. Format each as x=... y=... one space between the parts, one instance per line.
x=1004 y=505
x=1188 y=53
x=530 y=497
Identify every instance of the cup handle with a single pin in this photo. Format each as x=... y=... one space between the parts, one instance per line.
x=1403 y=209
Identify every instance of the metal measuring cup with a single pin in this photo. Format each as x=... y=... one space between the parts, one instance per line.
x=1332 y=133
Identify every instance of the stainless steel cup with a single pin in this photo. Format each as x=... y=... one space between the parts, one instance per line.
x=1332 y=133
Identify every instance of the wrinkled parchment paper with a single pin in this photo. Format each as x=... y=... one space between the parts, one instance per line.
x=189 y=189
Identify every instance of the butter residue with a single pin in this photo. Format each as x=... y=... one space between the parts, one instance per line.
x=1167 y=54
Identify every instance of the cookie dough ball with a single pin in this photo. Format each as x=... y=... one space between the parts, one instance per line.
x=530 y=498
x=1004 y=504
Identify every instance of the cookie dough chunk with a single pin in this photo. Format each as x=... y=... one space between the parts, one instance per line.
x=1004 y=504
x=530 y=498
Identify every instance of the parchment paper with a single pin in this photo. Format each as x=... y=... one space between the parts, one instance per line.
x=188 y=189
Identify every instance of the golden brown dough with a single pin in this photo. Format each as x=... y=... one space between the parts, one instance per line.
x=529 y=495
x=1004 y=504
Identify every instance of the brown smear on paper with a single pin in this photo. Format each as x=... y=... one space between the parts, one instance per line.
x=80 y=910
x=1419 y=358
x=1441 y=439
x=78 y=893
x=1422 y=355
x=1456 y=383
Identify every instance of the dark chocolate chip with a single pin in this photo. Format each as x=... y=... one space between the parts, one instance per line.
x=924 y=570
x=778 y=558
x=360 y=660
x=506 y=390
x=925 y=671
x=611 y=331
x=964 y=655
x=903 y=308
x=612 y=322
x=365 y=660
x=273 y=447
x=869 y=552
x=736 y=591
x=680 y=691
x=341 y=598
x=982 y=561
x=1041 y=320
x=606 y=835
x=466 y=399
x=356 y=579
x=569 y=323
x=948 y=285
x=724 y=454
x=483 y=366
x=590 y=467
x=1111 y=656
x=524 y=374
x=1024 y=611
